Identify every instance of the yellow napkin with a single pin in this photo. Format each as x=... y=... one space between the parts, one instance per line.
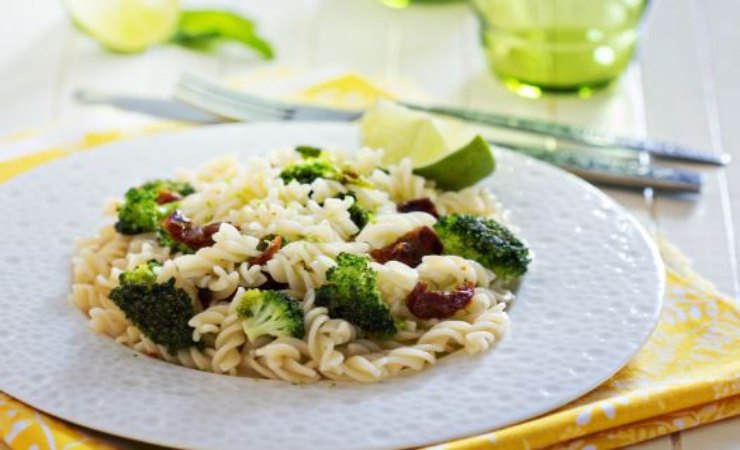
x=688 y=373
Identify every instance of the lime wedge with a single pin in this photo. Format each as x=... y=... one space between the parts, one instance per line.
x=126 y=26
x=461 y=168
x=446 y=151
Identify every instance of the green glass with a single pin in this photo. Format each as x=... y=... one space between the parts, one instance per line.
x=559 y=45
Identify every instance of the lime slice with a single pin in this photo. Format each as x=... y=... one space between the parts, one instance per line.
x=448 y=152
x=461 y=168
x=126 y=26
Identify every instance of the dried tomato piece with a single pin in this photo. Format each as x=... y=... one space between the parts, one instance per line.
x=269 y=252
x=424 y=204
x=350 y=174
x=205 y=296
x=185 y=231
x=410 y=248
x=427 y=304
x=165 y=197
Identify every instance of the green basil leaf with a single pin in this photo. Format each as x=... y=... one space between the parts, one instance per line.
x=204 y=29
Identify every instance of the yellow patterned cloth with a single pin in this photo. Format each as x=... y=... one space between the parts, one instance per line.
x=688 y=373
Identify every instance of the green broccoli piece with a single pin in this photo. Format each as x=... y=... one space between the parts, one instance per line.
x=352 y=293
x=141 y=274
x=180 y=187
x=485 y=241
x=270 y=313
x=160 y=310
x=164 y=239
x=141 y=212
x=314 y=166
x=359 y=215
x=306 y=151
x=306 y=171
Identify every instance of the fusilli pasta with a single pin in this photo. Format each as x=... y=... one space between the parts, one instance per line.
x=251 y=203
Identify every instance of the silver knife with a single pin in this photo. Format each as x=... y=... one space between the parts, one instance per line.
x=572 y=133
x=165 y=108
x=613 y=171
x=595 y=168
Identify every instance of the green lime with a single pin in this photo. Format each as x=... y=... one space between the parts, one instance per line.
x=446 y=151
x=463 y=167
x=126 y=26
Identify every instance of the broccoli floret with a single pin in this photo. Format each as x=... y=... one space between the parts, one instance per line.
x=270 y=313
x=314 y=165
x=352 y=293
x=485 y=241
x=160 y=310
x=180 y=187
x=141 y=274
x=308 y=170
x=306 y=151
x=141 y=212
x=359 y=215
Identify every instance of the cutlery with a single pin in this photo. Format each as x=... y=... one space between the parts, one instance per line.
x=596 y=168
x=164 y=108
x=238 y=105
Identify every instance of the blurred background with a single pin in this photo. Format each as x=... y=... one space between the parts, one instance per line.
x=437 y=46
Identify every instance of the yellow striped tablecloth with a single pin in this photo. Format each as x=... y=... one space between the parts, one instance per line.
x=688 y=373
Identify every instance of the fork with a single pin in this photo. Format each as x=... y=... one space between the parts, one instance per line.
x=237 y=105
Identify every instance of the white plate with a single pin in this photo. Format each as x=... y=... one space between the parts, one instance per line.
x=589 y=302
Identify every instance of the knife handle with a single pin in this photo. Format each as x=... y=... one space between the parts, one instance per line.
x=614 y=171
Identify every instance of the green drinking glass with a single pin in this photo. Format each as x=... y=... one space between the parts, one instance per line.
x=559 y=45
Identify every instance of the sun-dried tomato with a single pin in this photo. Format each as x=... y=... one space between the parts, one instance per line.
x=410 y=248
x=165 y=197
x=205 y=296
x=269 y=252
x=427 y=304
x=185 y=231
x=424 y=204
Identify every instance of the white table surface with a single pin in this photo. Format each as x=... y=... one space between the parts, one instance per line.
x=683 y=88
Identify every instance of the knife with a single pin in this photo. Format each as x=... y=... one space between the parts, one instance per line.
x=595 y=168
x=630 y=173
x=588 y=136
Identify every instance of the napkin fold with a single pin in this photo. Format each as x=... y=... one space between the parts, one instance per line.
x=686 y=375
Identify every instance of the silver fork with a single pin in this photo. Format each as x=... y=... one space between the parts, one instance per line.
x=237 y=105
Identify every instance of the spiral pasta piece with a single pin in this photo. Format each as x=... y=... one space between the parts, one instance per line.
x=387 y=228
x=230 y=247
x=229 y=339
x=303 y=265
x=450 y=271
x=282 y=360
x=401 y=183
x=209 y=321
